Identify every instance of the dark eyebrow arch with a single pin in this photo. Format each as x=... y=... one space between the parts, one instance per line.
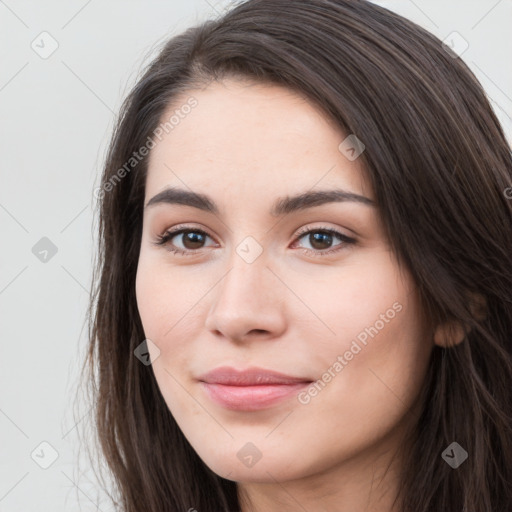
x=283 y=205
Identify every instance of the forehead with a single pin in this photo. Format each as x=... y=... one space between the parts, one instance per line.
x=251 y=137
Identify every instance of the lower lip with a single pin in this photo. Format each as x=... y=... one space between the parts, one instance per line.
x=251 y=398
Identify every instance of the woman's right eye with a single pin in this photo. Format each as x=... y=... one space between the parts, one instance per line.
x=190 y=236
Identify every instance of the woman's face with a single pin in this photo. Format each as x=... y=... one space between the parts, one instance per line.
x=274 y=290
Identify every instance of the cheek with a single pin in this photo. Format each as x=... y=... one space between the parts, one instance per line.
x=356 y=300
x=379 y=341
x=149 y=302
x=169 y=305
x=163 y=308
x=382 y=375
x=165 y=297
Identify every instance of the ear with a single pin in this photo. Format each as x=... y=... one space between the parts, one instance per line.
x=453 y=332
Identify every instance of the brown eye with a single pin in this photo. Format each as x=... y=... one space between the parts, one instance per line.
x=191 y=240
x=321 y=241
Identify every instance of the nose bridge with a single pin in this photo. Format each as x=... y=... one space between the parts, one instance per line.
x=246 y=298
x=247 y=282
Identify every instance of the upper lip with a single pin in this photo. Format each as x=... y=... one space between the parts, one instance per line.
x=249 y=377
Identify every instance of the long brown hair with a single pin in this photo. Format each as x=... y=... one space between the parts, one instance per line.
x=440 y=167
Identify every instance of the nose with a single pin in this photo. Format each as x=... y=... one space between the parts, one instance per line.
x=248 y=303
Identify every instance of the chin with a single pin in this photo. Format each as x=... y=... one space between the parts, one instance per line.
x=238 y=466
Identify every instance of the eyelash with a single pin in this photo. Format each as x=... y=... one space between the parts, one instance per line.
x=162 y=240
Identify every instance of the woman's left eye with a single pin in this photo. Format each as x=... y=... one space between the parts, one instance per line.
x=317 y=238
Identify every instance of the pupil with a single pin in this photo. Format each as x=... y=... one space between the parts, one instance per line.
x=192 y=237
x=321 y=238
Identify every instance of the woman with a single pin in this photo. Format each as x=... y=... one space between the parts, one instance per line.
x=305 y=229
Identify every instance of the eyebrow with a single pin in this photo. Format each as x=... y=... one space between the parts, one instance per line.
x=282 y=206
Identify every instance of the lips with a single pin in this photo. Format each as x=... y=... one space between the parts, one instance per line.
x=228 y=376
x=250 y=390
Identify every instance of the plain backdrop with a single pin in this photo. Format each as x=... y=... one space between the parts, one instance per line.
x=56 y=115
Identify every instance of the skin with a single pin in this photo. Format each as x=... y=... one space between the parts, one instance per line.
x=246 y=144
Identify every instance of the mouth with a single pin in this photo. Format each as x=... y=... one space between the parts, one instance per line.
x=252 y=389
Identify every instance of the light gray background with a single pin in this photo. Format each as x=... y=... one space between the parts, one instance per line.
x=56 y=118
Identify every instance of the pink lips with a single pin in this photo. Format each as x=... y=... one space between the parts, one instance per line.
x=251 y=389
